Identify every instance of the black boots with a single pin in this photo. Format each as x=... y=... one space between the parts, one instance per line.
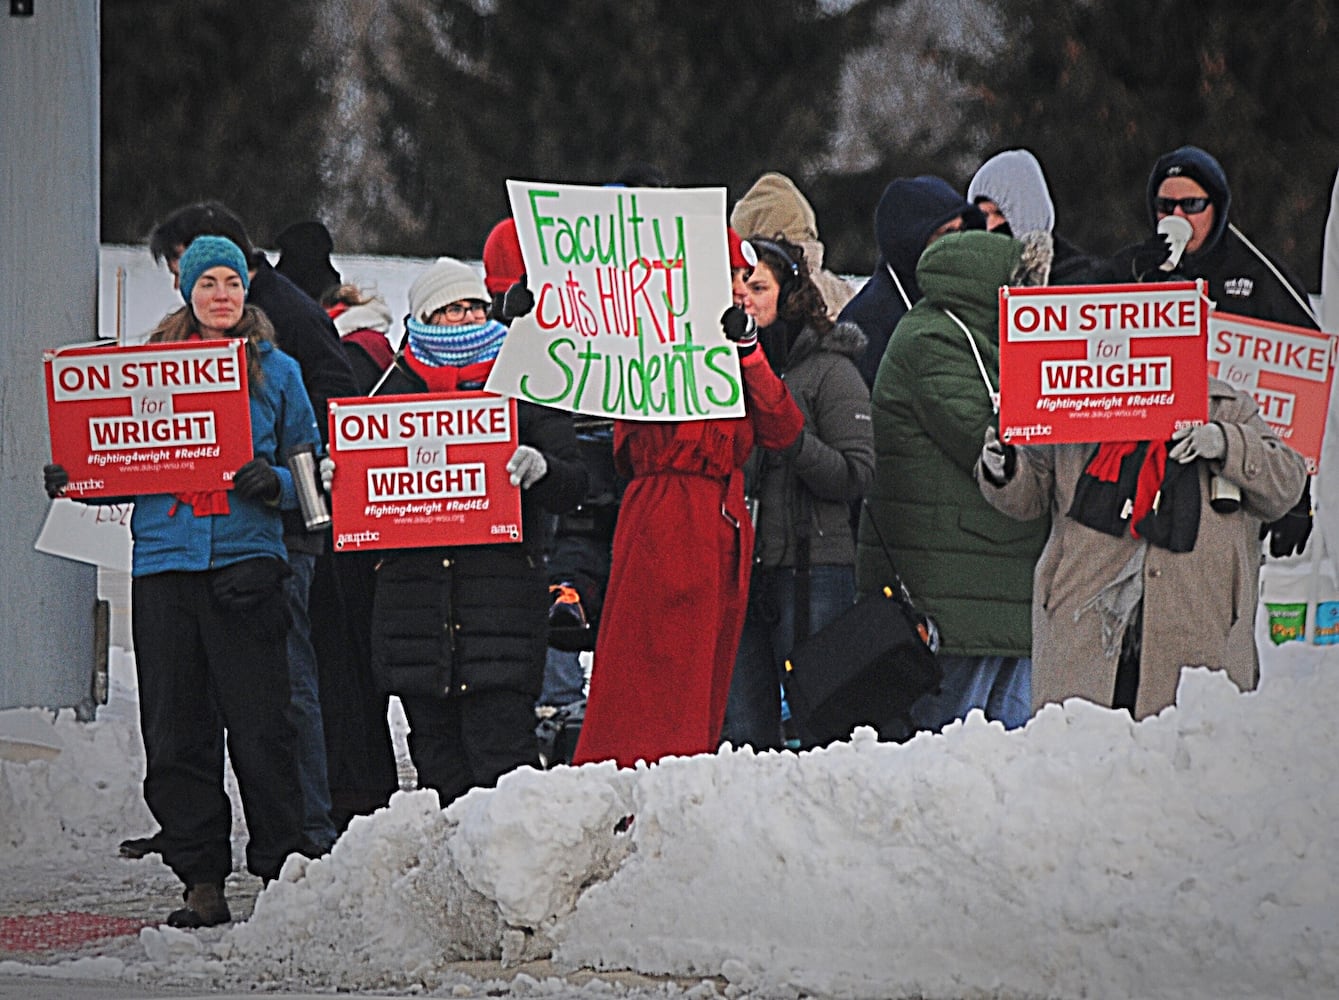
x=205 y=907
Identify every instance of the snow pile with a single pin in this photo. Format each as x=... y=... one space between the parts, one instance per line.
x=413 y=887
x=1191 y=855
x=83 y=797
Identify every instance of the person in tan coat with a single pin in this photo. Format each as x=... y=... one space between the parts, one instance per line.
x=1122 y=601
x=774 y=207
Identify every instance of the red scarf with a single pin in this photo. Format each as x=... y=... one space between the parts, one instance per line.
x=1105 y=466
x=445 y=378
x=203 y=502
x=376 y=345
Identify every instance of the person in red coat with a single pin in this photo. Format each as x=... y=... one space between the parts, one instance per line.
x=679 y=582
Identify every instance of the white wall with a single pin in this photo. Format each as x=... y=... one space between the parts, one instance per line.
x=146 y=293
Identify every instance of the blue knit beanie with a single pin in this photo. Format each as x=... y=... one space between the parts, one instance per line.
x=206 y=252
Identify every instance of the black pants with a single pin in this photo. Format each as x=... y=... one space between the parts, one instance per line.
x=360 y=756
x=202 y=669
x=1126 y=691
x=469 y=741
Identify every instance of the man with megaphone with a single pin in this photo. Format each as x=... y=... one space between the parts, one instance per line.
x=1188 y=203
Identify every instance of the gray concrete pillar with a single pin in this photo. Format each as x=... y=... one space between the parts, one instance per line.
x=48 y=296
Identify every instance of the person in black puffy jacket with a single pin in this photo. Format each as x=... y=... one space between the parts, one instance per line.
x=459 y=632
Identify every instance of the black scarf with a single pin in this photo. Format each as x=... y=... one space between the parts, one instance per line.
x=1130 y=486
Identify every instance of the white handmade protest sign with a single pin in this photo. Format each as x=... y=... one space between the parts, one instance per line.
x=91 y=533
x=629 y=287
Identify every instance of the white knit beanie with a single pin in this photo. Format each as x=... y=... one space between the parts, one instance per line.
x=371 y=315
x=445 y=281
x=1013 y=180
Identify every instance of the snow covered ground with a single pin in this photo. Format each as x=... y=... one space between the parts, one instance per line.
x=1193 y=855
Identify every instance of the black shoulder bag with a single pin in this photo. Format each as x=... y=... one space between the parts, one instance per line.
x=867 y=666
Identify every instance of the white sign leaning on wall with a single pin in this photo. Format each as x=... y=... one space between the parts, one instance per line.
x=91 y=533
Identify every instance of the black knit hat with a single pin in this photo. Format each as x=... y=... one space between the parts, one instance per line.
x=304 y=257
x=1199 y=166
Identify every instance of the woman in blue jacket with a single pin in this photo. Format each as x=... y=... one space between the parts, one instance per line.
x=208 y=616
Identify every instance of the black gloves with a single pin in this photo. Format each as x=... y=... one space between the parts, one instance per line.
x=741 y=328
x=518 y=301
x=55 y=479
x=257 y=481
x=1288 y=535
x=1151 y=254
x=998 y=460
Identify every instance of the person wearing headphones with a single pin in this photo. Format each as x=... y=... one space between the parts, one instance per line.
x=681 y=563
x=803 y=551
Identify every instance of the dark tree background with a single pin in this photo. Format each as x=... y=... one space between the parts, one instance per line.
x=208 y=99
x=397 y=121
x=1100 y=90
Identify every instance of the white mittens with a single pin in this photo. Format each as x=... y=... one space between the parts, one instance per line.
x=527 y=467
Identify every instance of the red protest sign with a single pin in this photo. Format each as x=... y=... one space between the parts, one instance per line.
x=1288 y=369
x=1102 y=362
x=156 y=418
x=415 y=471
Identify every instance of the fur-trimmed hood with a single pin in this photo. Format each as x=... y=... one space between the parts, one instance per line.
x=1034 y=263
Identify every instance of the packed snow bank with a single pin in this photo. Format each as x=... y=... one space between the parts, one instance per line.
x=83 y=798
x=1192 y=855
x=412 y=888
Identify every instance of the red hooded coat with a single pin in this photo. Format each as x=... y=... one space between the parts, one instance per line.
x=679 y=583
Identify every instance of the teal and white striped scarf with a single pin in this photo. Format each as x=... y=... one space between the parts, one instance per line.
x=455 y=346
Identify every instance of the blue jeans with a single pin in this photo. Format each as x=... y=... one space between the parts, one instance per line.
x=305 y=706
x=1001 y=686
x=753 y=711
x=564 y=678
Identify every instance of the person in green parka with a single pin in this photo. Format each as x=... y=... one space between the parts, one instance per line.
x=965 y=563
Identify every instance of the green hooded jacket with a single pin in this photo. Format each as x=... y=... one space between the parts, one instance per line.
x=964 y=562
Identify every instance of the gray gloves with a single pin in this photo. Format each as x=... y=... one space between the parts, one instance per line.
x=527 y=467
x=327 y=472
x=998 y=460
x=1205 y=441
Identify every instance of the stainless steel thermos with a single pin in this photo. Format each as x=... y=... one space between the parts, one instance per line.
x=301 y=462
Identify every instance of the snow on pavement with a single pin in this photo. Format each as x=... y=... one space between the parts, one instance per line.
x=1191 y=855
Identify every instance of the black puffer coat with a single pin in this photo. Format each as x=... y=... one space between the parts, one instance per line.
x=461 y=619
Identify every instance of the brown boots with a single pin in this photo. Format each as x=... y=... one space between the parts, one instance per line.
x=205 y=907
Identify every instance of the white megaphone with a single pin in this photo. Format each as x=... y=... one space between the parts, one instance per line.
x=1179 y=230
